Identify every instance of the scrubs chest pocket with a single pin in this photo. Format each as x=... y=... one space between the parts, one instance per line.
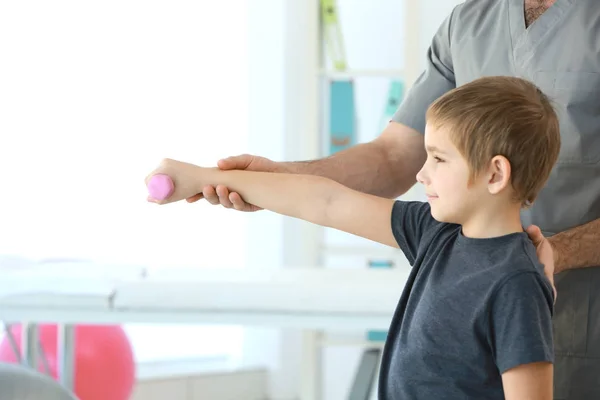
x=576 y=97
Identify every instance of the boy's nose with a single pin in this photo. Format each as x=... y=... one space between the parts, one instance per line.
x=421 y=176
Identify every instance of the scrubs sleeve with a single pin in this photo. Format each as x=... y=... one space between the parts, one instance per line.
x=437 y=79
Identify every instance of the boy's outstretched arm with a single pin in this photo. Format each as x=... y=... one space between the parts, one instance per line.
x=529 y=382
x=315 y=199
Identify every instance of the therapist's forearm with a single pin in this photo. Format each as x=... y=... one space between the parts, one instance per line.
x=578 y=247
x=301 y=196
x=384 y=167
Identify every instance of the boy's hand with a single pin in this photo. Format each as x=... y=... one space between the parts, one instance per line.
x=544 y=252
x=187 y=179
x=221 y=195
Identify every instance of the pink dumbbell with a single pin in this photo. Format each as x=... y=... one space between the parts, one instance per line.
x=160 y=186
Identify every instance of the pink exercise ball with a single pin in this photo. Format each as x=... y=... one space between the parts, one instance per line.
x=104 y=362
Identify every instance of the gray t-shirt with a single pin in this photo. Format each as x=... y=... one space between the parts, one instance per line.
x=471 y=309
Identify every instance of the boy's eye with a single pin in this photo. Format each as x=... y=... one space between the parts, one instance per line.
x=437 y=159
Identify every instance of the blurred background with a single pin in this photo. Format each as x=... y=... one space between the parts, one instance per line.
x=94 y=94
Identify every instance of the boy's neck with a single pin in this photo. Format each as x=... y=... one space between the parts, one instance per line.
x=494 y=222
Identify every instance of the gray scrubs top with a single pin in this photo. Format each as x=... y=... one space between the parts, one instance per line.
x=560 y=53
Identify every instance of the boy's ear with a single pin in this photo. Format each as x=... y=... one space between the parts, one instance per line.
x=498 y=174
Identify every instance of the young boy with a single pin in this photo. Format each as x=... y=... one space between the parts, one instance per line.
x=474 y=320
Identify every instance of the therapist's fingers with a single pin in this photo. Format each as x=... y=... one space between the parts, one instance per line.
x=210 y=194
x=240 y=205
x=223 y=194
x=535 y=234
x=195 y=198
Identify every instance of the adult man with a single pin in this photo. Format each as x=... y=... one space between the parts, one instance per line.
x=556 y=45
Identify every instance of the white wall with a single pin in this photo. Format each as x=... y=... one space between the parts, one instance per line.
x=281 y=61
x=93 y=95
x=267 y=120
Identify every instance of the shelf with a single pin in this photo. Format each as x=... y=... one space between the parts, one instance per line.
x=350 y=343
x=353 y=250
x=354 y=73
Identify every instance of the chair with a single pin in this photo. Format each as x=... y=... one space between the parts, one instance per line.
x=20 y=383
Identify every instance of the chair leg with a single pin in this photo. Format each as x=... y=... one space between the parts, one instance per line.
x=365 y=375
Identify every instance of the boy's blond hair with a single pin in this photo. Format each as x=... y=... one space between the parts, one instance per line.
x=502 y=116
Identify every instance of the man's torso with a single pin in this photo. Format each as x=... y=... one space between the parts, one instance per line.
x=560 y=53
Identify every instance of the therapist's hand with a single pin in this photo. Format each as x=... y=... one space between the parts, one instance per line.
x=220 y=194
x=544 y=252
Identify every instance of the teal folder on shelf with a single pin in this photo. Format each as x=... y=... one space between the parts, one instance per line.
x=378 y=336
x=342 y=116
x=394 y=98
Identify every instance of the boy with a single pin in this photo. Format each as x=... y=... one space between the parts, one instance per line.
x=474 y=320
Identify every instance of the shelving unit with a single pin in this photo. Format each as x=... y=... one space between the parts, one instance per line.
x=326 y=71
x=308 y=74
x=365 y=344
x=355 y=73
x=315 y=341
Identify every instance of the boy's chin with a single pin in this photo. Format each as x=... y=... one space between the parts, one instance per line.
x=442 y=217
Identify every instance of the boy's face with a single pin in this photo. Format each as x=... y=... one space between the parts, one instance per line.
x=445 y=176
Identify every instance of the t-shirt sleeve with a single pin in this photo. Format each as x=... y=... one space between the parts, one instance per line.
x=437 y=79
x=410 y=221
x=521 y=321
